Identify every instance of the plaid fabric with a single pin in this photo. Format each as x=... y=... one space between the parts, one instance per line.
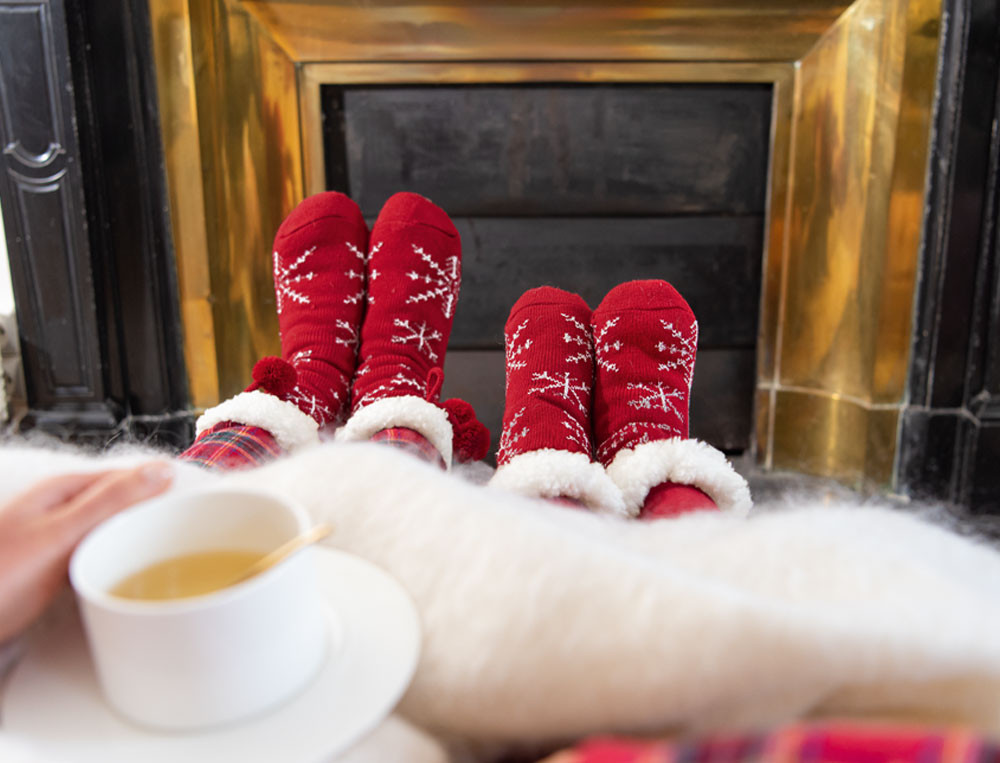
x=229 y=445
x=843 y=742
x=411 y=441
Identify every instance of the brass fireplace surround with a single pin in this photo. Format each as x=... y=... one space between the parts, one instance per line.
x=853 y=88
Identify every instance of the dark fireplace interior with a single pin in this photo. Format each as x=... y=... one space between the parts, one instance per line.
x=580 y=187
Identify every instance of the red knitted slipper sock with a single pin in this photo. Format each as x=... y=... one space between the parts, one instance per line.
x=645 y=338
x=414 y=274
x=545 y=447
x=319 y=282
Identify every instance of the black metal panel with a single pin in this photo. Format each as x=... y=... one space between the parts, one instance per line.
x=948 y=442
x=554 y=150
x=44 y=216
x=82 y=186
x=715 y=263
x=129 y=217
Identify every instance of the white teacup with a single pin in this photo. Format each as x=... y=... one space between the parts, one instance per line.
x=205 y=660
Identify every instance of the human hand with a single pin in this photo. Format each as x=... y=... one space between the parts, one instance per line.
x=40 y=527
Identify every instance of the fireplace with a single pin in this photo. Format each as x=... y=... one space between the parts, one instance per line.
x=245 y=89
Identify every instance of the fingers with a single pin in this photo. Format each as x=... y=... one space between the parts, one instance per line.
x=109 y=495
x=52 y=492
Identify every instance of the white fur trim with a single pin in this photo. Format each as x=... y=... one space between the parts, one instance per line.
x=403 y=411
x=550 y=473
x=689 y=462
x=289 y=426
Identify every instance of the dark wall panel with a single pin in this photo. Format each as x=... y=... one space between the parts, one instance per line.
x=949 y=444
x=87 y=224
x=44 y=215
x=713 y=261
x=555 y=150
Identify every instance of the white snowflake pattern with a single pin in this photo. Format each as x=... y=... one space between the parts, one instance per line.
x=287 y=279
x=576 y=433
x=680 y=351
x=372 y=272
x=567 y=387
x=603 y=347
x=510 y=436
x=359 y=275
x=632 y=434
x=579 y=337
x=657 y=396
x=351 y=340
x=398 y=382
x=302 y=356
x=514 y=348
x=443 y=281
x=311 y=404
x=422 y=335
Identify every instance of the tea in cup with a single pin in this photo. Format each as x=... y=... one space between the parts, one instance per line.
x=174 y=645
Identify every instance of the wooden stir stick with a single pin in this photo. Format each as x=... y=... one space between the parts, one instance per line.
x=282 y=552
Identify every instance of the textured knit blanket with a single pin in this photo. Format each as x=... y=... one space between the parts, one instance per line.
x=544 y=622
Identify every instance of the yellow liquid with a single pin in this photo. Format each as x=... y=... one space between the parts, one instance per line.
x=187 y=575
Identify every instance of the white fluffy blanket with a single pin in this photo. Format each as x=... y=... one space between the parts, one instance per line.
x=544 y=623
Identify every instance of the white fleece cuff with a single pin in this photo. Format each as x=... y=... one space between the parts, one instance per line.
x=550 y=473
x=289 y=426
x=687 y=462
x=405 y=411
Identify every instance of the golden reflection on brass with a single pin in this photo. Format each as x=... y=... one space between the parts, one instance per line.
x=234 y=172
x=179 y=127
x=314 y=75
x=695 y=30
x=857 y=189
x=239 y=85
x=859 y=440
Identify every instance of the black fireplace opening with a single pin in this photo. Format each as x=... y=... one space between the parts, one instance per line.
x=580 y=187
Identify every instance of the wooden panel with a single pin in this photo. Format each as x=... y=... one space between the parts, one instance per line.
x=720 y=397
x=553 y=150
x=714 y=262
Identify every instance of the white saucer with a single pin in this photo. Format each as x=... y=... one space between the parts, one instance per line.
x=53 y=700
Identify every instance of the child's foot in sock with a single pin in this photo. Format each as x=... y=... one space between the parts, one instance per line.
x=646 y=339
x=546 y=445
x=319 y=283
x=414 y=275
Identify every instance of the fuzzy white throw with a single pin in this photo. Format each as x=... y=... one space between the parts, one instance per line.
x=543 y=622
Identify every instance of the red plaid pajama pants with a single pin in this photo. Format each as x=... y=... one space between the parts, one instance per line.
x=230 y=445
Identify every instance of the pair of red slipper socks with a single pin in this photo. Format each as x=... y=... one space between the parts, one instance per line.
x=365 y=317
x=596 y=384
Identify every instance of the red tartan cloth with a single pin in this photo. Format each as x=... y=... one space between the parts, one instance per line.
x=229 y=445
x=411 y=441
x=834 y=742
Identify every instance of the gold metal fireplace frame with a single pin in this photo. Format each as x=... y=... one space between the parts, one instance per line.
x=853 y=91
